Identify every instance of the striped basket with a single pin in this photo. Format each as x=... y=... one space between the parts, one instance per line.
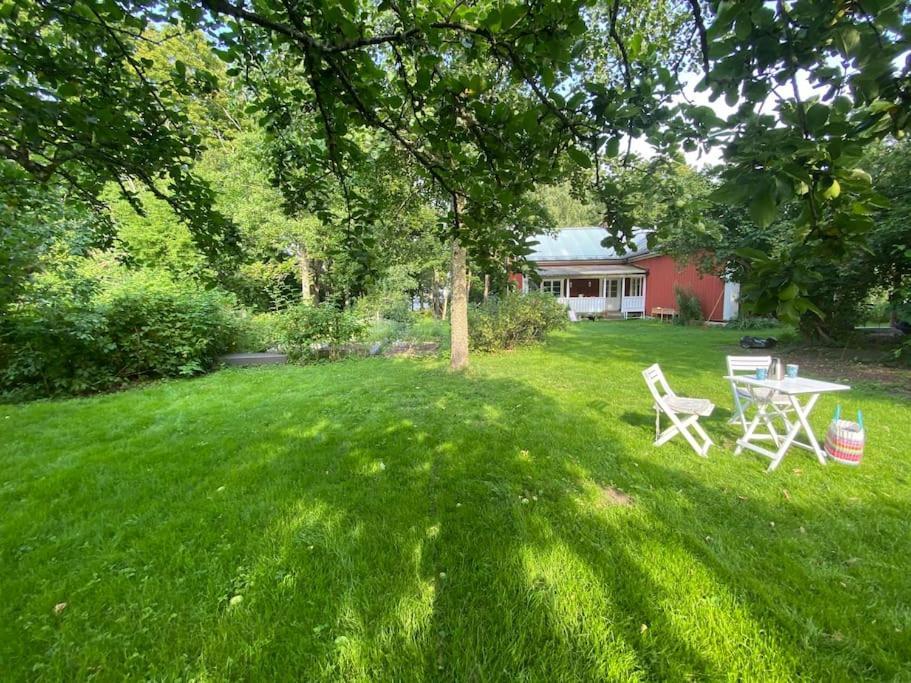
x=845 y=439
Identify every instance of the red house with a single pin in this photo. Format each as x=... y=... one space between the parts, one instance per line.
x=595 y=280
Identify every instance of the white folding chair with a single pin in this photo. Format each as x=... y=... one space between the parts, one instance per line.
x=684 y=413
x=744 y=398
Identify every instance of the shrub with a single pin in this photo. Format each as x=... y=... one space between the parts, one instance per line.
x=52 y=348
x=161 y=328
x=142 y=325
x=383 y=330
x=689 y=309
x=879 y=312
x=752 y=323
x=398 y=310
x=421 y=328
x=513 y=320
x=259 y=332
x=304 y=327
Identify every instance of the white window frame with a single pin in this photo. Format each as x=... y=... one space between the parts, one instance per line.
x=636 y=286
x=547 y=286
x=611 y=286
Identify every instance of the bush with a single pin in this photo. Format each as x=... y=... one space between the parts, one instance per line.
x=53 y=348
x=143 y=325
x=159 y=328
x=879 y=312
x=421 y=328
x=752 y=323
x=398 y=310
x=304 y=327
x=513 y=320
x=689 y=309
x=259 y=332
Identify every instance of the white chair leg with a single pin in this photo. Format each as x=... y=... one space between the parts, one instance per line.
x=677 y=427
x=700 y=448
x=740 y=408
x=707 y=441
x=749 y=431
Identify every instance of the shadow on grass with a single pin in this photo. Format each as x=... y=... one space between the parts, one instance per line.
x=389 y=520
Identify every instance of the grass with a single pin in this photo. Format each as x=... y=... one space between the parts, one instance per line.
x=385 y=520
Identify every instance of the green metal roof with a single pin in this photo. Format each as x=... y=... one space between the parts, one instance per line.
x=582 y=244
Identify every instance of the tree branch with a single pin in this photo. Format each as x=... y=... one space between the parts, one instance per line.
x=703 y=36
x=614 y=13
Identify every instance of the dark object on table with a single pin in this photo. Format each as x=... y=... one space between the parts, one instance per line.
x=758 y=342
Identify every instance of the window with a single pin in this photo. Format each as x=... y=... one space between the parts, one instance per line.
x=612 y=289
x=635 y=286
x=551 y=287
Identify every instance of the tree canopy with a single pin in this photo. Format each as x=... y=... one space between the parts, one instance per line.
x=481 y=103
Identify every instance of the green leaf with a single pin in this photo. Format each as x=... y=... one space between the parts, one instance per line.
x=743 y=27
x=728 y=193
x=579 y=157
x=752 y=254
x=763 y=209
x=832 y=191
x=68 y=89
x=803 y=305
x=612 y=149
x=843 y=104
x=789 y=292
x=547 y=77
x=847 y=38
x=634 y=47
x=510 y=15
x=492 y=20
x=817 y=115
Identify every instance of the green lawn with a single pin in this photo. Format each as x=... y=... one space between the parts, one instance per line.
x=385 y=520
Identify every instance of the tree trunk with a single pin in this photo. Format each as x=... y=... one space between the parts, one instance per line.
x=458 y=358
x=486 y=286
x=434 y=295
x=894 y=292
x=303 y=260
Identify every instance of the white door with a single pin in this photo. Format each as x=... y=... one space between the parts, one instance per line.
x=612 y=292
x=731 y=300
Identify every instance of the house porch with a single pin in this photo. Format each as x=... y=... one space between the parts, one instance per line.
x=597 y=290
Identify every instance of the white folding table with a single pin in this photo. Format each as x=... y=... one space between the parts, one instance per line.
x=802 y=394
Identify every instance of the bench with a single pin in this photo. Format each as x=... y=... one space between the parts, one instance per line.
x=661 y=313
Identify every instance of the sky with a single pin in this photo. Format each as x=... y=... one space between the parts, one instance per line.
x=700 y=158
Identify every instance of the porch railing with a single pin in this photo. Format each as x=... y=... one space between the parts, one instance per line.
x=633 y=304
x=585 y=304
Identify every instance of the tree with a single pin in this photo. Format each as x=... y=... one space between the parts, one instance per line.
x=786 y=145
x=37 y=225
x=889 y=253
x=78 y=108
x=488 y=99
x=567 y=205
x=469 y=92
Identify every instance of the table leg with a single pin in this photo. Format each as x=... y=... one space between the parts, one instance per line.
x=770 y=425
x=796 y=426
x=760 y=411
x=802 y=416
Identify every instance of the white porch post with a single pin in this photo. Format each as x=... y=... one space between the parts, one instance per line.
x=566 y=287
x=622 y=295
x=643 y=295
